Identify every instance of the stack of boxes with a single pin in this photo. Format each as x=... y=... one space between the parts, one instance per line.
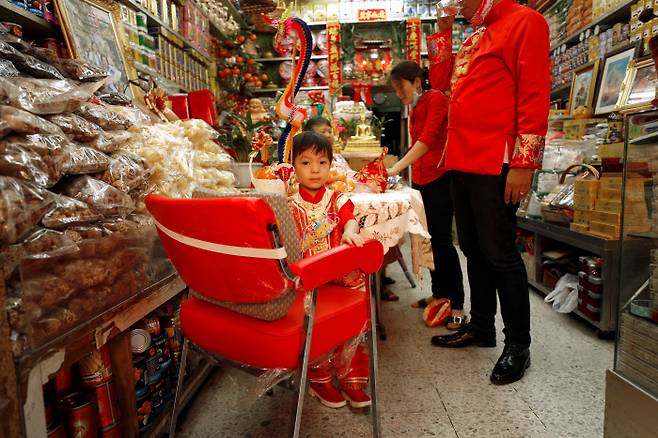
x=590 y=287
x=584 y=199
x=579 y=15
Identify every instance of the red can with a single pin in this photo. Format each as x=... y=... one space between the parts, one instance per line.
x=63 y=382
x=57 y=431
x=106 y=400
x=113 y=431
x=80 y=413
x=152 y=325
x=96 y=368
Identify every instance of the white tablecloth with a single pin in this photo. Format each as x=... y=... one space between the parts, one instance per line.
x=388 y=216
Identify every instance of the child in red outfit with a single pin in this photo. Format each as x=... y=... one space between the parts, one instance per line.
x=325 y=219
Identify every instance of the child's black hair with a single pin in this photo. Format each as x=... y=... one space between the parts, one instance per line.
x=316 y=121
x=310 y=140
x=409 y=71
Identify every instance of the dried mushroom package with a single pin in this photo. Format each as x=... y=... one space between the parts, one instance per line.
x=47 y=96
x=100 y=196
x=7 y=68
x=19 y=121
x=82 y=159
x=38 y=69
x=69 y=212
x=103 y=117
x=111 y=141
x=76 y=127
x=22 y=206
x=80 y=70
x=39 y=158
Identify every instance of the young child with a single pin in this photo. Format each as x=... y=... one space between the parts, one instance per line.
x=321 y=126
x=325 y=219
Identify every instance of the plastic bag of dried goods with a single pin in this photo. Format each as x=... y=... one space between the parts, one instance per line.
x=76 y=127
x=22 y=206
x=100 y=196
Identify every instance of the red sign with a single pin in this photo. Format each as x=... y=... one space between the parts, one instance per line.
x=413 y=39
x=333 y=43
x=372 y=15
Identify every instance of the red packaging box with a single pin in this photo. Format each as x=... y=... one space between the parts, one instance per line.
x=179 y=106
x=201 y=104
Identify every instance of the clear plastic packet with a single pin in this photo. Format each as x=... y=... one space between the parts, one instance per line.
x=7 y=69
x=76 y=127
x=22 y=206
x=9 y=53
x=80 y=70
x=46 y=96
x=82 y=159
x=79 y=233
x=27 y=165
x=103 y=117
x=22 y=122
x=69 y=212
x=132 y=114
x=100 y=196
x=49 y=148
x=36 y=68
x=111 y=141
x=114 y=99
x=126 y=172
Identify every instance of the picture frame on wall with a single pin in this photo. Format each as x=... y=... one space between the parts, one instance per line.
x=639 y=86
x=583 y=86
x=92 y=31
x=614 y=71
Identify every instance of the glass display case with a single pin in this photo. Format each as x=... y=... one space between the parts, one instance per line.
x=632 y=384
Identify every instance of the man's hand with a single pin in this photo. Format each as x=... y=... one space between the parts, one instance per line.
x=352 y=239
x=518 y=184
x=445 y=23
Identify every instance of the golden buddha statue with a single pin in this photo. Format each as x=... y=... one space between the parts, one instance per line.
x=363 y=141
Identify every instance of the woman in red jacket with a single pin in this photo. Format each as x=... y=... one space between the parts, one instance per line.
x=428 y=128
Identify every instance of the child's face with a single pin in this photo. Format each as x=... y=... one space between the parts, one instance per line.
x=326 y=131
x=312 y=169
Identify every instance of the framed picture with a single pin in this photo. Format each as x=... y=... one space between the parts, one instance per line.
x=612 y=79
x=639 y=86
x=583 y=86
x=92 y=32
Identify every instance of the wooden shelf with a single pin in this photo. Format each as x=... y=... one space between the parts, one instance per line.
x=33 y=26
x=545 y=290
x=155 y=21
x=620 y=13
x=561 y=91
x=167 y=85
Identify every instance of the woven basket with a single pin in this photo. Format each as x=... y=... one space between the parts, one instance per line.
x=562 y=215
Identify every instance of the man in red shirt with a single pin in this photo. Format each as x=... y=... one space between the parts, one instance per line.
x=499 y=86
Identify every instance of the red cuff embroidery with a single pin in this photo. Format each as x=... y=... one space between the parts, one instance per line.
x=439 y=47
x=529 y=151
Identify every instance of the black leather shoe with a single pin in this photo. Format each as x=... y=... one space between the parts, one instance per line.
x=463 y=338
x=511 y=365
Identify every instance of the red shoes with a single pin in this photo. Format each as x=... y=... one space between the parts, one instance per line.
x=327 y=394
x=330 y=397
x=356 y=397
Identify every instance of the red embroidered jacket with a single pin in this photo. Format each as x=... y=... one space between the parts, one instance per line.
x=427 y=123
x=500 y=90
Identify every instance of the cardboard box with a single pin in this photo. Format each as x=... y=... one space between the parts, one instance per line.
x=612 y=150
x=586 y=186
x=605 y=230
x=606 y=217
x=584 y=202
x=582 y=217
x=579 y=228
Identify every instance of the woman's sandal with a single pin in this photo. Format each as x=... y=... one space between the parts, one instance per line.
x=388 y=295
x=455 y=322
x=422 y=303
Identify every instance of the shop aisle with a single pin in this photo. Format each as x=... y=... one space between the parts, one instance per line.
x=430 y=392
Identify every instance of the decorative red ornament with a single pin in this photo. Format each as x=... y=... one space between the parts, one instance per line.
x=437 y=312
x=374 y=174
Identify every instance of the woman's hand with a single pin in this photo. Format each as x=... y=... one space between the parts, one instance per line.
x=445 y=23
x=518 y=184
x=393 y=171
x=351 y=238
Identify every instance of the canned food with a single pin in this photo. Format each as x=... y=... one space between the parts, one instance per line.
x=113 y=431
x=157 y=390
x=106 y=399
x=152 y=362
x=80 y=414
x=144 y=409
x=96 y=368
x=140 y=341
x=63 y=382
x=161 y=348
x=57 y=431
x=139 y=371
x=14 y=29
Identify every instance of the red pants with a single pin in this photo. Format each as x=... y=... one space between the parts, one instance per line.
x=352 y=373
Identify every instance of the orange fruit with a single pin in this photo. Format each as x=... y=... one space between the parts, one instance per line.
x=241 y=39
x=247 y=76
x=259 y=84
x=253 y=37
x=236 y=71
x=226 y=71
x=251 y=61
x=263 y=77
x=239 y=60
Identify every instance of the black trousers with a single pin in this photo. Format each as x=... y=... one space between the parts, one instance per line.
x=487 y=234
x=447 y=280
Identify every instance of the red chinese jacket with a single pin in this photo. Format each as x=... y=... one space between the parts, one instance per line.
x=500 y=90
x=428 y=123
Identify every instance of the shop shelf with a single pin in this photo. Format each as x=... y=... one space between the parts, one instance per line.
x=167 y=85
x=622 y=12
x=587 y=242
x=155 y=21
x=33 y=26
x=561 y=91
x=649 y=138
x=274 y=90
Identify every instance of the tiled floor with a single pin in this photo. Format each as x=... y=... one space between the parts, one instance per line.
x=430 y=392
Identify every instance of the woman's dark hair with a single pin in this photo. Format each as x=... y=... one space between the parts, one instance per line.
x=310 y=140
x=409 y=71
x=316 y=121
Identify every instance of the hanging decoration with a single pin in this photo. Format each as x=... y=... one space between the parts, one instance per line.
x=333 y=42
x=285 y=106
x=413 y=39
